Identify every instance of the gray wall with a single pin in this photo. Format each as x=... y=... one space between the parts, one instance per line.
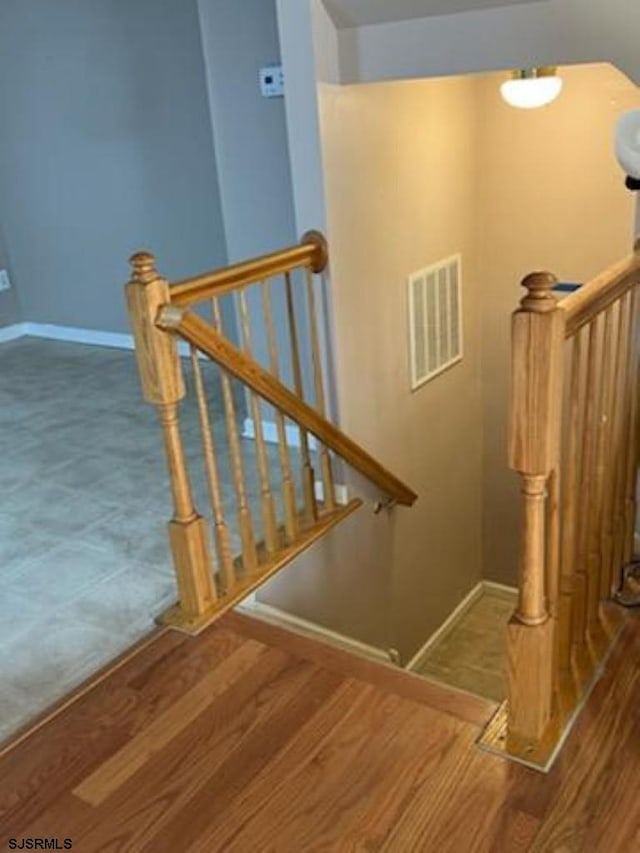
x=249 y=130
x=108 y=148
x=251 y=143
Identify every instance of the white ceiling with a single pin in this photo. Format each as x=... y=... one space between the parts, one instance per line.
x=359 y=13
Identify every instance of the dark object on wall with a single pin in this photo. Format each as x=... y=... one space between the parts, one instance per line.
x=566 y=287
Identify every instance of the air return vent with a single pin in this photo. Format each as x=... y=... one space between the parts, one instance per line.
x=435 y=319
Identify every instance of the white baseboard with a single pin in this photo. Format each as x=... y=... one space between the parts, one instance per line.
x=13 y=332
x=500 y=587
x=418 y=659
x=270 y=433
x=252 y=607
x=75 y=335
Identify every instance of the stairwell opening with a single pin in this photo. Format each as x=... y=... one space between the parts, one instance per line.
x=417 y=171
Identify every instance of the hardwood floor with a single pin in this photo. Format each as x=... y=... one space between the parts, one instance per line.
x=249 y=738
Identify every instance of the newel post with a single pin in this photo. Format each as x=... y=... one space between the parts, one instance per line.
x=534 y=451
x=163 y=386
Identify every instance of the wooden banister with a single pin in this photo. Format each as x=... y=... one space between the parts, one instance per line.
x=311 y=254
x=582 y=306
x=534 y=448
x=257 y=524
x=163 y=386
x=574 y=442
x=198 y=332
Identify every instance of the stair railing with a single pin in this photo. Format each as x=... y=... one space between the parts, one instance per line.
x=274 y=471
x=574 y=442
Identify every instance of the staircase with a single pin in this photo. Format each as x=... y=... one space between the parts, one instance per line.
x=211 y=576
x=573 y=443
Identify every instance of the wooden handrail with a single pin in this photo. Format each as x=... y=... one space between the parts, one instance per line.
x=198 y=332
x=310 y=253
x=591 y=299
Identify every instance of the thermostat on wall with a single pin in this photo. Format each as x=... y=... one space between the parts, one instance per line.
x=272 y=81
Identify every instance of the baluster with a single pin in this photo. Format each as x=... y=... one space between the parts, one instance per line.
x=631 y=473
x=534 y=449
x=184 y=510
x=622 y=436
x=609 y=407
x=599 y=397
x=249 y=553
x=582 y=614
x=266 y=497
x=223 y=540
x=288 y=487
x=308 y=479
x=163 y=386
x=572 y=586
x=316 y=356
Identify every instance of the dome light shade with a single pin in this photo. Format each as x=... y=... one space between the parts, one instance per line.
x=531 y=88
x=627 y=139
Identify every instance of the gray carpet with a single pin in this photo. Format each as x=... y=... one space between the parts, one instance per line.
x=83 y=503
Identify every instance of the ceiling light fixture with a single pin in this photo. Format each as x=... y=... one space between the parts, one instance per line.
x=531 y=87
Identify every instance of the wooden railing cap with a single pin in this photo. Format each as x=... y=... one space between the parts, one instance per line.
x=143 y=267
x=539 y=298
x=321 y=258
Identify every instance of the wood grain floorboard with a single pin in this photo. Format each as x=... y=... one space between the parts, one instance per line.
x=251 y=755
x=313 y=809
x=614 y=747
x=137 y=812
x=249 y=739
x=300 y=781
x=347 y=701
x=431 y=820
x=84 y=734
x=136 y=754
x=159 y=639
x=456 y=703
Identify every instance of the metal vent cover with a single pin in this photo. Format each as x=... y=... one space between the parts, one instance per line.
x=435 y=319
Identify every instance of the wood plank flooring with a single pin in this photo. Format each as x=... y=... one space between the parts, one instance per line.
x=249 y=738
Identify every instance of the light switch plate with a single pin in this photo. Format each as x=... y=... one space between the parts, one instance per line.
x=272 y=81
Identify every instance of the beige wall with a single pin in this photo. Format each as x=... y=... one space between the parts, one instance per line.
x=400 y=173
x=551 y=196
x=400 y=192
x=415 y=171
